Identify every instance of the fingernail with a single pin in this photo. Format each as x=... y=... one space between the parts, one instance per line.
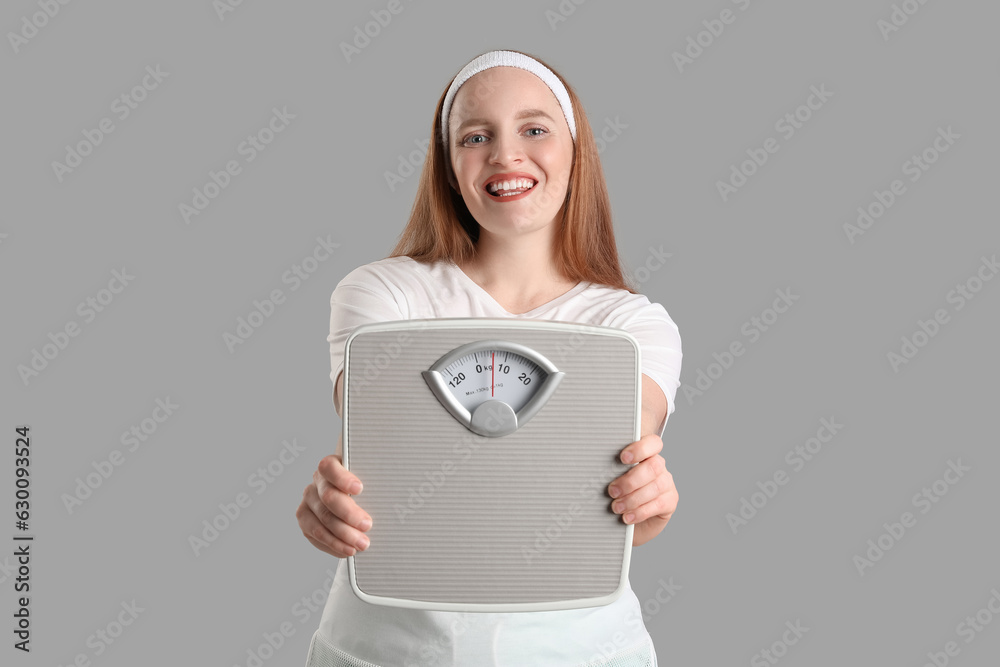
x=618 y=507
x=363 y=542
x=615 y=491
x=630 y=517
x=627 y=457
x=355 y=487
x=365 y=524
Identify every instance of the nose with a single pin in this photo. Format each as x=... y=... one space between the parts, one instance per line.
x=506 y=149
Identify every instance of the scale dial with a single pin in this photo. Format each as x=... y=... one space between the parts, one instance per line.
x=491 y=386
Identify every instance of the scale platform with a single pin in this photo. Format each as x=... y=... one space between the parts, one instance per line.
x=486 y=446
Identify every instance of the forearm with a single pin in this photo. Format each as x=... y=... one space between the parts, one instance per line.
x=654 y=409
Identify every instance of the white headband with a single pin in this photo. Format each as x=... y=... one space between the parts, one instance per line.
x=508 y=59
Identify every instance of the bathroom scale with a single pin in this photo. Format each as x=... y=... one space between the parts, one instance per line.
x=485 y=447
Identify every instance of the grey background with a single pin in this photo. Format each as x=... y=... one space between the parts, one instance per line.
x=324 y=176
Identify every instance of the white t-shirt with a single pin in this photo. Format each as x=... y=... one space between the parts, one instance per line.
x=353 y=633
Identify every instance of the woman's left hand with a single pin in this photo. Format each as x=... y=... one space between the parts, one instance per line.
x=645 y=495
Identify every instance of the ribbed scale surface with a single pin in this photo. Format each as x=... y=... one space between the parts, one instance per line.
x=462 y=518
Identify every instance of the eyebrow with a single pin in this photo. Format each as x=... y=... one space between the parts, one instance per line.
x=520 y=115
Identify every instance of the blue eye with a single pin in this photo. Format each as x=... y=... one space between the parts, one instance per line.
x=469 y=139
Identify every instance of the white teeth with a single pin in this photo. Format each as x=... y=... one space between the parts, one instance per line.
x=518 y=184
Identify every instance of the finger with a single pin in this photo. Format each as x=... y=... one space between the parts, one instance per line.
x=644 y=494
x=323 y=540
x=341 y=516
x=641 y=449
x=637 y=476
x=344 y=508
x=325 y=549
x=332 y=469
x=319 y=536
x=325 y=489
x=662 y=507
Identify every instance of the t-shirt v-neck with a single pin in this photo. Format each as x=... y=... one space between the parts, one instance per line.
x=569 y=294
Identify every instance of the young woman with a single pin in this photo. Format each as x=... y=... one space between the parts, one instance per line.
x=512 y=219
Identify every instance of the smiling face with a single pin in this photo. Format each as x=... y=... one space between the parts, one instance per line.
x=507 y=128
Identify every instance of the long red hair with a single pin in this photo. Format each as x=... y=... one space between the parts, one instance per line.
x=441 y=226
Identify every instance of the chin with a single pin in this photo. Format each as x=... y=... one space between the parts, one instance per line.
x=517 y=226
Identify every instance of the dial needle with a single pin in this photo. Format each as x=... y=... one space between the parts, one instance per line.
x=493 y=356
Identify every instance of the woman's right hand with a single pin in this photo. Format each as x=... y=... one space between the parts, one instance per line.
x=328 y=515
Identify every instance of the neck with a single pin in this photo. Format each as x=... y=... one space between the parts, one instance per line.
x=519 y=272
x=524 y=263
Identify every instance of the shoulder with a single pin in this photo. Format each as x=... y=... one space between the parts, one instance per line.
x=381 y=272
x=399 y=269
x=400 y=282
x=395 y=275
x=620 y=308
